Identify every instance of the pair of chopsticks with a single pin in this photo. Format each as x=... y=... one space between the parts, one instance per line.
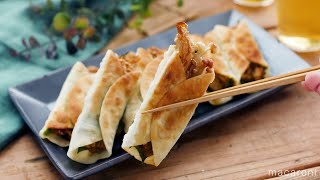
x=275 y=81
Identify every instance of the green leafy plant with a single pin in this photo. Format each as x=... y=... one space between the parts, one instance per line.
x=61 y=21
x=179 y=3
x=78 y=22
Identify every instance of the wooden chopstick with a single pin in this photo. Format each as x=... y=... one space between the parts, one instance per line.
x=313 y=68
x=275 y=81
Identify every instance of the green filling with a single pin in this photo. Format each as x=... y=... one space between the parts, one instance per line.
x=253 y=73
x=96 y=147
x=47 y=132
x=141 y=153
x=82 y=149
x=145 y=150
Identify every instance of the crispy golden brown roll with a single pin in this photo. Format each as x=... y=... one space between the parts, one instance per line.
x=235 y=61
x=114 y=104
x=156 y=53
x=224 y=74
x=87 y=145
x=146 y=57
x=182 y=74
x=247 y=46
x=59 y=125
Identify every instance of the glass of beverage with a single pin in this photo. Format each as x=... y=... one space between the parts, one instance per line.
x=299 y=24
x=253 y=3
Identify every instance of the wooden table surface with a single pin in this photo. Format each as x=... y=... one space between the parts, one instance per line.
x=278 y=133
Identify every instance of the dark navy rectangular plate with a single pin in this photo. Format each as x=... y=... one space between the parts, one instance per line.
x=34 y=99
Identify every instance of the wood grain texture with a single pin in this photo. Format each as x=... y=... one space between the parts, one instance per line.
x=193 y=9
x=280 y=132
x=24 y=159
x=247 y=144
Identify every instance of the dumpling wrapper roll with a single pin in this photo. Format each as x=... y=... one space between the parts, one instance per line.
x=167 y=126
x=86 y=145
x=148 y=75
x=148 y=56
x=151 y=136
x=145 y=58
x=138 y=61
x=132 y=108
x=65 y=112
x=224 y=75
x=247 y=46
x=114 y=105
x=237 y=63
x=156 y=53
x=123 y=98
x=77 y=96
